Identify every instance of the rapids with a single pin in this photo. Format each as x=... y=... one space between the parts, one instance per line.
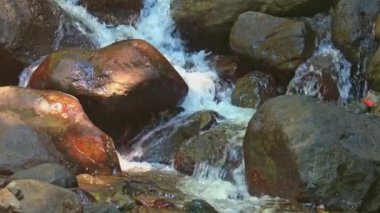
x=156 y=26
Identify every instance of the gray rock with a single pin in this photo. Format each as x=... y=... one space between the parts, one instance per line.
x=35 y=196
x=298 y=148
x=272 y=43
x=48 y=172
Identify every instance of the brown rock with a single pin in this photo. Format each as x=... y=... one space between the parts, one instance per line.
x=126 y=80
x=60 y=124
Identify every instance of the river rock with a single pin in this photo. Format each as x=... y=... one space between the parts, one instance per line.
x=200 y=206
x=126 y=80
x=49 y=173
x=352 y=27
x=30 y=29
x=8 y=202
x=48 y=126
x=115 y=11
x=298 y=148
x=162 y=143
x=373 y=73
x=100 y=208
x=377 y=28
x=217 y=147
x=35 y=196
x=318 y=77
x=207 y=24
x=272 y=43
x=253 y=89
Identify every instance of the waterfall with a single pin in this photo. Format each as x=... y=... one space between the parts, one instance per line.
x=156 y=26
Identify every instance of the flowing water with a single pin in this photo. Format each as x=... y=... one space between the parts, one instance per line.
x=156 y=26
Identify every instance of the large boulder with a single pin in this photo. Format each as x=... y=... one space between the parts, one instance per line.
x=35 y=196
x=298 y=148
x=207 y=24
x=272 y=43
x=30 y=29
x=48 y=126
x=352 y=27
x=9 y=76
x=126 y=80
x=373 y=73
x=253 y=89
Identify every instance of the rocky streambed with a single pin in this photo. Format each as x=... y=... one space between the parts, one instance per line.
x=188 y=106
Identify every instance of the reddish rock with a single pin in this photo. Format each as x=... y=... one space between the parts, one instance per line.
x=126 y=80
x=60 y=119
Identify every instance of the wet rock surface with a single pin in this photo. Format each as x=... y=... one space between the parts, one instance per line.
x=49 y=126
x=207 y=24
x=126 y=80
x=373 y=73
x=253 y=89
x=298 y=148
x=163 y=142
x=276 y=44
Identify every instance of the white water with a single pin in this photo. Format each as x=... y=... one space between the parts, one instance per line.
x=157 y=27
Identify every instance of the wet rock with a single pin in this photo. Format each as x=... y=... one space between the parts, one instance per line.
x=154 y=202
x=128 y=80
x=9 y=76
x=212 y=147
x=149 y=188
x=48 y=172
x=115 y=12
x=357 y=107
x=272 y=43
x=352 y=27
x=100 y=208
x=318 y=77
x=8 y=202
x=198 y=206
x=253 y=89
x=28 y=28
x=226 y=66
x=377 y=28
x=207 y=24
x=35 y=196
x=104 y=189
x=298 y=148
x=162 y=144
x=373 y=73
x=48 y=126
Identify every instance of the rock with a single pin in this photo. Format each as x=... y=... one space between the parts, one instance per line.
x=162 y=144
x=115 y=11
x=8 y=202
x=28 y=28
x=35 y=196
x=207 y=24
x=154 y=202
x=272 y=43
x=9 y=76
x=49 y=173
x=318 y=77
x=352 y=27
x=377 y=28
x=198 y=206
x=298 y=148
x=227 y=67
x=253 y=89
x=48 y=126
x=357 y=107
x=100 y=208
x=373 y=72
x=104 y=189
x=128 y=80
x=214 y=147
